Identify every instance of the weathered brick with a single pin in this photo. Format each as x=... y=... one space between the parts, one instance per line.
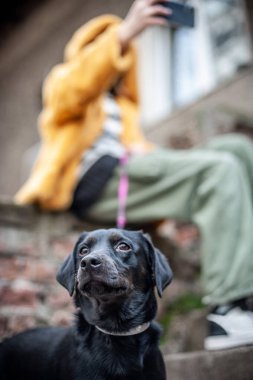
x=61 y=247
x=15 y=295
x=12 y=268
x=187 y=235
x=16 y=241
x=42 y=272
x=183 y=235
x=58 y=298
x=15 y=323
x=62 y=318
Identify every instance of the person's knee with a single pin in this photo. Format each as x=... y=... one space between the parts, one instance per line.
x=236 y=144
x=239 y=142
x=223 y=176
x=228 y=164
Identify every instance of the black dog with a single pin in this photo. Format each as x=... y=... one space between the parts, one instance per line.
x=111 y=275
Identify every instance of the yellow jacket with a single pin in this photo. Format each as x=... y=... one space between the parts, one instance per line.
x=72 y=116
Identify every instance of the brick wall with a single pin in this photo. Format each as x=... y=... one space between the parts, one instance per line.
x=32 y=246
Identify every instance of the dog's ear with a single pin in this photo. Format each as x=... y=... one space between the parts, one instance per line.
x=160 y=267
x=66 y=274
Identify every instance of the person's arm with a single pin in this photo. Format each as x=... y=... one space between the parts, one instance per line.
x=142 y=14
x=72 y=85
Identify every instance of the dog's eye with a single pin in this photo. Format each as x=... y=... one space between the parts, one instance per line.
x=123 y=247
x=83 y=251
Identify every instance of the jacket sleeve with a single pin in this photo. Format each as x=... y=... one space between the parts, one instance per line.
x=72 y=85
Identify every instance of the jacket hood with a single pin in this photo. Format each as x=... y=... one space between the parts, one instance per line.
x=87 y=33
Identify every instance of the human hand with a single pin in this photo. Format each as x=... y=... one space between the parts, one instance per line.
x=143 y=13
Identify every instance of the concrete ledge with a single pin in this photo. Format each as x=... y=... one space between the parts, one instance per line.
x=234 y=364
x=24 y=216
x=31 y=217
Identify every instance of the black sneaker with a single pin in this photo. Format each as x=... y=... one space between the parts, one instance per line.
x=229 y=326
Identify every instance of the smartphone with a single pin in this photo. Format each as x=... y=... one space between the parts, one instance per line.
x=182 y=14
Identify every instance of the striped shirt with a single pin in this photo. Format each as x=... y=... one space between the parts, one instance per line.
x=108 y=142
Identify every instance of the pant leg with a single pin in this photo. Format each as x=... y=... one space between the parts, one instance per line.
x=239 y=146
x=207 y=188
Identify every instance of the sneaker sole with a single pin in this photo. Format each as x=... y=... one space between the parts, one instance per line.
x=225 y=342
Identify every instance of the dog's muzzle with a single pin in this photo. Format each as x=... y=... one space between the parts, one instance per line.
x=98 y=275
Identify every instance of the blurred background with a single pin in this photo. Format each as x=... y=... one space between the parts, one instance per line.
x=194 y=82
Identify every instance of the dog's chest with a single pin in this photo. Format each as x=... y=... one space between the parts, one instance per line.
x=119 y=358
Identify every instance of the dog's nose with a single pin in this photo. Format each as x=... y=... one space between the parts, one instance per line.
x=91 y=262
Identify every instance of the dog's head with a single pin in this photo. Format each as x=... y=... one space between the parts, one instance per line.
x=114 y=267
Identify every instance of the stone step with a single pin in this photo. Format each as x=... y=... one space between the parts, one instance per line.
x=233 y=364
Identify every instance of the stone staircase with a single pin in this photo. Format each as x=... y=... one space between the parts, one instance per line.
x=32 y=246
x=236 y=364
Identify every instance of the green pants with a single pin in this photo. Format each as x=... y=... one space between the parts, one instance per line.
x=211 y=187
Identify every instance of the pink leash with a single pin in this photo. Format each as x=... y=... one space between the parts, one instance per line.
x=122 y=192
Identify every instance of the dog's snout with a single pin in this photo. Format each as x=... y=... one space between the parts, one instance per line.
x=91 y=262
